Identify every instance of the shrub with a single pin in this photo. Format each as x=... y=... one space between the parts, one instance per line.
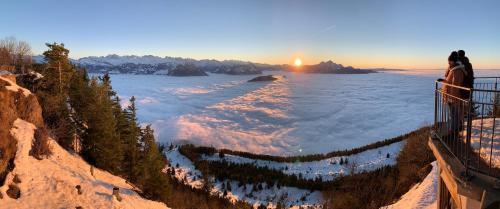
x=40 y=147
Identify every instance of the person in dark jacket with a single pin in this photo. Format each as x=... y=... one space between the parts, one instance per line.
x=469 y=78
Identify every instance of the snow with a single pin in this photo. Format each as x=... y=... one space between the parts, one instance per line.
x=482 y=141
x=422 y=195
x=291 y=196
x=14 y=87
x=50 y=183
x=37 y=75
x=327 y=169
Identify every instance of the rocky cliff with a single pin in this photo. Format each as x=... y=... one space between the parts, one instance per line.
x=15 y=102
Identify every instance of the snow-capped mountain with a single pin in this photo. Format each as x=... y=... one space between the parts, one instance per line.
x=150 y=64
x=114 y=60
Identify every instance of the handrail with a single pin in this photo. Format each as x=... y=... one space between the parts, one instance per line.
x=455 y=86
x=482 y=77
x=465 y=123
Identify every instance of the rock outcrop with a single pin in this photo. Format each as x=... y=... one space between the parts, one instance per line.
x=15 y=102
x=263 y=78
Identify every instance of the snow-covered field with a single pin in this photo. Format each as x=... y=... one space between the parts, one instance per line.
x=422 y=195
x=483 y=143
x=329 y=168
x=298 y=114
x=50 y=183
x=290 y=196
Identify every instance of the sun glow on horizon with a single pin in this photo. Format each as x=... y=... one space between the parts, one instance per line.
x=298 y=62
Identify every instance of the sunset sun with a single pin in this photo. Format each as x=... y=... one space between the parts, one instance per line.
x=298 y=62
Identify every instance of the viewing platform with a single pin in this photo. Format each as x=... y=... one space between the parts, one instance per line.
x=466 y=143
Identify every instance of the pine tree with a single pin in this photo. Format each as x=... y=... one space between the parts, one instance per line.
x=129 y=133
x=102 y=146
x=52 y=93
x=153 y=181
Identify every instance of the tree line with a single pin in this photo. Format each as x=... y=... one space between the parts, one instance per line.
x=312 y=157
x=248 y=173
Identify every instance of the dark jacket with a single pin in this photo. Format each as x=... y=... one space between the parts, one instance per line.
x=469 y=79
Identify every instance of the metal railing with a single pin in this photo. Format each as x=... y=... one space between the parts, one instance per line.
x=467 y=122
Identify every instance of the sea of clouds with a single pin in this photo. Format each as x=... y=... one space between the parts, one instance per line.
x=297 y=114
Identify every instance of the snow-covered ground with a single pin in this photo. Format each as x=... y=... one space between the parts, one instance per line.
x=290 y=196
x=422 y=195
x=14 y=87
x=329 y=168
x=485 y=142
x=50 y=183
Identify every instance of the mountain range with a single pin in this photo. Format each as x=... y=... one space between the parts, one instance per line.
x=150 y=64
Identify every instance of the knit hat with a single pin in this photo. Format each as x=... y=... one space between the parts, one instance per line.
x=453 y=56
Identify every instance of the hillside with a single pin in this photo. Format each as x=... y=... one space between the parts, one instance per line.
x=51 y=182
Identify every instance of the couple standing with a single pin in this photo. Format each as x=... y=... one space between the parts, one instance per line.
x=459 y=74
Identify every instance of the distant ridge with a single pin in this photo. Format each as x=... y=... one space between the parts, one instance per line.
x=150 y=64
x=329 y=67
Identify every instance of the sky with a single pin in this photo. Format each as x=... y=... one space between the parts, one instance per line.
x=405 y=34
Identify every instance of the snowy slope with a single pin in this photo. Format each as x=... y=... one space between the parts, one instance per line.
x=483 y=142
x=292 y=197
x=421 y=196
x=50 y=183
x=329 y=168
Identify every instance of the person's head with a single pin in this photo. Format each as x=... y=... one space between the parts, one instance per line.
x=453 y=58
x=461 y=53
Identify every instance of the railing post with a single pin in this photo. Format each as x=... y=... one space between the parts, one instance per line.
x=436 y=108
x=469 y=130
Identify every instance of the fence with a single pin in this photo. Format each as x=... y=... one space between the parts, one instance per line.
x=466 y=120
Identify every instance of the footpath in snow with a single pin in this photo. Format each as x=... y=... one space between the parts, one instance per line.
x=485 y=140
x=422 y=195
x=51 y=182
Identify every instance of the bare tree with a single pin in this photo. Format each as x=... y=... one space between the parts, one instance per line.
x=23 y=54
x=14 y=52
x=5 y=58
x=8 y=45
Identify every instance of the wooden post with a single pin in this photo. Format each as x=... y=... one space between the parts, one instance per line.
x=116 y=193
x=79 y=189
